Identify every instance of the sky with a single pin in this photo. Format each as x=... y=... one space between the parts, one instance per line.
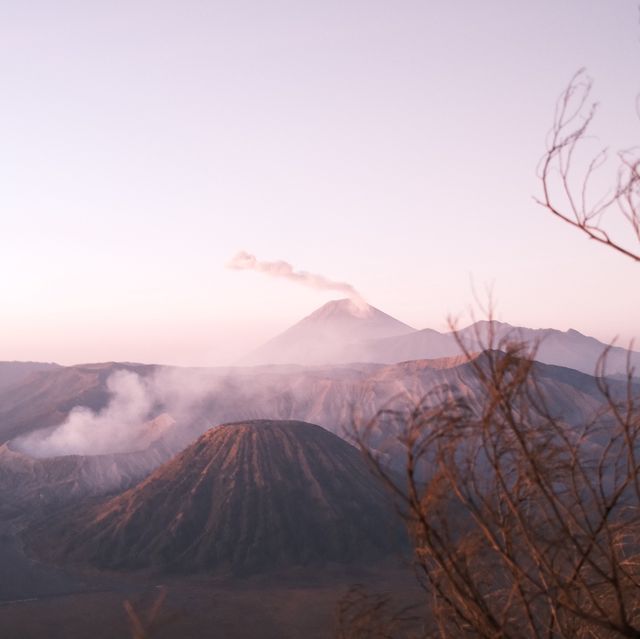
x=389 y=145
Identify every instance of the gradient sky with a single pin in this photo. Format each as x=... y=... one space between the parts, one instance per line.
x=392 y=145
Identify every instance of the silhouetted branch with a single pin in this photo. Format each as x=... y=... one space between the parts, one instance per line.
x=566 y=194
x=366 y=615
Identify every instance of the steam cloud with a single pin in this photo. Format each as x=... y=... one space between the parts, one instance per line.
x=113 y=429
x=244 y=261
x=166 y=406
x=171 y=407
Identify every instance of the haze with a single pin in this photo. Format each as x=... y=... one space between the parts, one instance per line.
x=393 y=147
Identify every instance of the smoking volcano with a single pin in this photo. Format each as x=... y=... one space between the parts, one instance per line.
x=325 y=336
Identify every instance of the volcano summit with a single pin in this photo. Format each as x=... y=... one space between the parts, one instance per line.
x=325 y=336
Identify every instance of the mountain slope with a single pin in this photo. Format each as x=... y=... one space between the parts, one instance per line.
x=245 y=497
x=12 y=373
x=323 y=336
x=28 y=483
x=45 y=397
x=423 y=344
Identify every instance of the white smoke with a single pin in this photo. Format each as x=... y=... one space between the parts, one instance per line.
x=173 y=406
x=140 y=410
x=115 y=428
x=244 y=261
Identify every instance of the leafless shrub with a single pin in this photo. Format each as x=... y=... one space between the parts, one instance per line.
x=365 y=615
x=144 y=624
x=522 y=524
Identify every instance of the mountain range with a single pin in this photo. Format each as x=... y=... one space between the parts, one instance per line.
x=343 y=332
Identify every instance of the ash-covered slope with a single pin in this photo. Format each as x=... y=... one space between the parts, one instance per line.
x=324 y=336
x=245 y=497
x=31 y=484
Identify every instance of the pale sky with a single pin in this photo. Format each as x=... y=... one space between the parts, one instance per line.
x=391 y=145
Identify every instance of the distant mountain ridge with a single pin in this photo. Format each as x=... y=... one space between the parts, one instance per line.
x=342 y=332
x=347 y=332
x=570 y=349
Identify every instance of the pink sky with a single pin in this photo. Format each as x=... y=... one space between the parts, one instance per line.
x=392 y=146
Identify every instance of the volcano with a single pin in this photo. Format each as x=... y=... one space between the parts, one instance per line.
x=245 y=497
x=324 y=336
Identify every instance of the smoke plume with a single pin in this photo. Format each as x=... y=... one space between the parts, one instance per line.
x=172 y=405
x=113 y=429
x=244 y=261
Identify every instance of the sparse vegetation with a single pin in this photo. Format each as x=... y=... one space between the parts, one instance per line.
x=522 y=525
x=365 y=615
x=145 y=623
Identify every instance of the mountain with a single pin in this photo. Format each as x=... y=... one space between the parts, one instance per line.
x=342 y=332
x=324 y=336
x=570 y=348
x=245 y=497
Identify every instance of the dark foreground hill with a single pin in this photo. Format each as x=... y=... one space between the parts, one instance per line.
x=245 y=497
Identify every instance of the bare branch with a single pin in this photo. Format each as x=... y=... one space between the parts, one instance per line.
x=566 y=195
